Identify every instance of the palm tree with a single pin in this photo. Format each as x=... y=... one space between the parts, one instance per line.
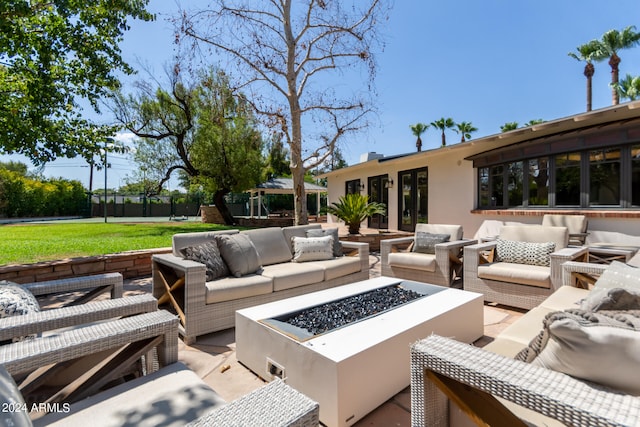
x=465 y=129
x=418 y=129
x=443 y=124
x=588 y=53
x=629 y=87
x=509 y=126
x=533 y=122
x=354 y=208
x=612 y=41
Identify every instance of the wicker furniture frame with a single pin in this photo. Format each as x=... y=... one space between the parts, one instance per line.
x=183 y=283
x=508 y=293
x=95 y=285
x=474 y=377
x=448 y=259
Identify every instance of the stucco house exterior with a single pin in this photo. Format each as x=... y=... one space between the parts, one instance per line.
x=587 y=164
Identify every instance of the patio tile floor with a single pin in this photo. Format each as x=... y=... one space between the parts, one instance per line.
x=212 y=357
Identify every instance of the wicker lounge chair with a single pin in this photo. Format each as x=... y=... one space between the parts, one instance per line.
x=168 y=394
x=513 y=283
x=439 y=268
x=576 y=224
x=475 y=377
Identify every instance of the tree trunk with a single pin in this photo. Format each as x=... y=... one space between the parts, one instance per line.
x=419 y=144
x=614 y=62
x=444 y=141
x=589 y=70
x=218 y=200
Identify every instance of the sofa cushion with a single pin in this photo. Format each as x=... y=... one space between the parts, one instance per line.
x=312 y=248
x=425 y=243
x=183 y=240
x=208 y=254
x=172 y=396
x=234 y=288
x=333 y=232
x=536 y=234
x=412 y=260
x=455 y=231
x=602 y=347
x=270 y=244
x=524 y=274
x=297 y=231
x=238 y=253
x=293 y=274
x=524 y=252
x=339 y=267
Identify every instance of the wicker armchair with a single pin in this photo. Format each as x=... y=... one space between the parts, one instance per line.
x=514 y=284
x=444 y=369
x=440 y=268
x=87 y=287
x=576 y=224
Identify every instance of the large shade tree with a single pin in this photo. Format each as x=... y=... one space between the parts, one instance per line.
x=587 y=52
x=53 y=55
x=201 y=129
x=612 y=42
x=291 y=58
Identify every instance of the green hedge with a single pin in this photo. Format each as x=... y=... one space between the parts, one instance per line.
x=24 y=197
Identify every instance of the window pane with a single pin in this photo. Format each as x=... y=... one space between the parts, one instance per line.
x=497 y=185
x=568 y=179
x=538 y=182
x=635 y=175
x=604 y=177
x=515 y=184
x=483 y=187
x=423 y=197
x=407 y=203
x=352 y=187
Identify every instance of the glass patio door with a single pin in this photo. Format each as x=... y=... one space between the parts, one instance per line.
x=378 y=190
x=413 y=195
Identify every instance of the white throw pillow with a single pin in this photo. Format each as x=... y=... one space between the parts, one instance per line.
x=312 y=248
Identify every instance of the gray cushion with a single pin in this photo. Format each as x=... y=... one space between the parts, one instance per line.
x=312 y=248
x=602 y=347
x=524 y=252
x=612 y=299
x=239 y=254
x=333 y=232
x=271 y=245
x=425 y=243
x=208 y=254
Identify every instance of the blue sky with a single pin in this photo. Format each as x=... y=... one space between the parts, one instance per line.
x=488 y=63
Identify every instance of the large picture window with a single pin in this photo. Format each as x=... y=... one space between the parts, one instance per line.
x=604 y=177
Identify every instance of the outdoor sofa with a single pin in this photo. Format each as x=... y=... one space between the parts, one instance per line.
x=274 y=263
x=587 y=341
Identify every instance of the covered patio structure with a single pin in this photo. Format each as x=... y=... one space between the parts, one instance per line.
x=279 y=186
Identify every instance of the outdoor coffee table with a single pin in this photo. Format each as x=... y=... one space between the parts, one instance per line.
x=352 y=370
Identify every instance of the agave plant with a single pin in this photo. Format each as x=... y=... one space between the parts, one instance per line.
x=355 y=208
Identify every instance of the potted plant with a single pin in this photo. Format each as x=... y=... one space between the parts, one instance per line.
x=355 y=208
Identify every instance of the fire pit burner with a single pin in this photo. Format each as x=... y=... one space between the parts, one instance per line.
x=313 y=321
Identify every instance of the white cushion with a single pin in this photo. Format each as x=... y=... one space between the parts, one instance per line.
x=312 y=248
x=293 y=274
x=412 y=260
x=339 y=267
x=532 y=275
x=233 y=288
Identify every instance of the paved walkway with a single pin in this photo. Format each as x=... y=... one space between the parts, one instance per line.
x=213 y=358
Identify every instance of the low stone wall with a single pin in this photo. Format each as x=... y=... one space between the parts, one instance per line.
x=130 y=264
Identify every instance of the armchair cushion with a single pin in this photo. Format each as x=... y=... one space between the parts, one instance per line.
x=239 y=253
x=208 y=254
x=524 y=252
x=426 y=242
x=523 y=274
x=312 y=248
x=413 y=260
x=602 y=347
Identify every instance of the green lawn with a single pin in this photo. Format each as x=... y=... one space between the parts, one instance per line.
x=28 y=243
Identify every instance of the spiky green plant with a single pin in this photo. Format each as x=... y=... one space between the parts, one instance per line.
x=355 y=208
